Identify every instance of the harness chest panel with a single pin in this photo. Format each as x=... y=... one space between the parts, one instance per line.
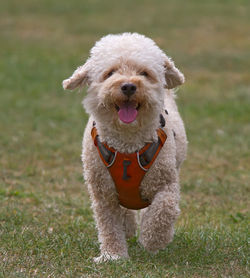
x=128 y=170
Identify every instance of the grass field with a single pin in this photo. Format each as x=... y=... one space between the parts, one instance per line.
x=46 y=225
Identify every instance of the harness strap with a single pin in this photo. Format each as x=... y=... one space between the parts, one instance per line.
x=148 y=156
x=106 y=153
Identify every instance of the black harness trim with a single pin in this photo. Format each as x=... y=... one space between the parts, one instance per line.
x=146 y=157
x=107 y=155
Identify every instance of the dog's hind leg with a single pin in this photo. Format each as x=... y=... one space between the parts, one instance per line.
x=157 y=222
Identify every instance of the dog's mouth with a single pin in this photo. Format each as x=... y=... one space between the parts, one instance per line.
x=127 y=111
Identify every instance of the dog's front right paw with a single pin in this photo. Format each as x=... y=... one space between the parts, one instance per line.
x=105 y=257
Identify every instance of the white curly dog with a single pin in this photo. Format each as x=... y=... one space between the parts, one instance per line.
x=134 y=142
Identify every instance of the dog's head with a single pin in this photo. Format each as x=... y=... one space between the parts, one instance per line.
x=127 y=76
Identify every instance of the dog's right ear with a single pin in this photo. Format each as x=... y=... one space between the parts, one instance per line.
x=78 y=78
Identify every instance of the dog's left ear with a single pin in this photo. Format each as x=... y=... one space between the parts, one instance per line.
x=78 y=78
x=173 y=76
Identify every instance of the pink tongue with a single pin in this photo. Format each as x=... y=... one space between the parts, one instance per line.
x=127 y=113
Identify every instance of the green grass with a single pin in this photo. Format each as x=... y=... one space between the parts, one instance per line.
x=46 y=224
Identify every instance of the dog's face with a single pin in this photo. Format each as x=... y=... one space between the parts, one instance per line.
x=126 y=93
x=127 y=76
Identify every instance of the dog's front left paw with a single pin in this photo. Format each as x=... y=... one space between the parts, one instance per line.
x=105 y=257
x=154 y=242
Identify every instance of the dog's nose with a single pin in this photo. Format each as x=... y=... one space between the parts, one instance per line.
x=128 y=89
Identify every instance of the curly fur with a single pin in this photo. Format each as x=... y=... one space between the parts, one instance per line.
x=113 y=61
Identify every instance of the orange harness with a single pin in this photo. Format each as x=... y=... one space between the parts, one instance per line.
x=128 y=170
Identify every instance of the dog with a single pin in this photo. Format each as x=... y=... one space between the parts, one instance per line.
x=134 y=142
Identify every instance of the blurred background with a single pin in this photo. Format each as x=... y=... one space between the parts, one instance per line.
x=41 y=126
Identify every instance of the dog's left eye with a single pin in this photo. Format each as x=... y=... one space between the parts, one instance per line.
x=107 y=75
x=144 y=73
